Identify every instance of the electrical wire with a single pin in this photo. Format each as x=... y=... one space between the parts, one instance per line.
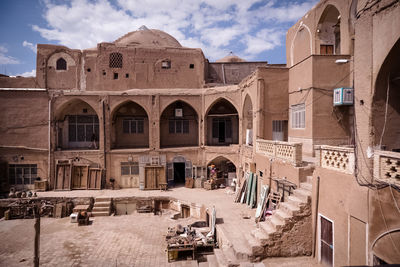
x=386 y=110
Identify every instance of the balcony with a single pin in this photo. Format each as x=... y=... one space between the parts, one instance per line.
x=387 y=167
x=336 y=158
x=291 y=152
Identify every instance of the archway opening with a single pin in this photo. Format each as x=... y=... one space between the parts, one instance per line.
x=222 y=124
x=386 y=102
x=247 y=122
x=328 y=31
x=179 y=126
x=130 y=127
x=77 y=126
x=222 y=169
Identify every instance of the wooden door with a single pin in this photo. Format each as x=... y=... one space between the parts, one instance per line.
x=94 y=178
x=154 y=175
x=63 y=177
x=79 y=177
x=326 y=241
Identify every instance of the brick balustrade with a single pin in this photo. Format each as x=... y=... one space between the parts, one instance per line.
x=291 y=152
x=336 y=158
x=387 y=167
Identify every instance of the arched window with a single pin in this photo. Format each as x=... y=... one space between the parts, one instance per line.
x=61 y=64
x=115 y=60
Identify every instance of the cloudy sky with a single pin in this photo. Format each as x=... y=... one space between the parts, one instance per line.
x=252 y=29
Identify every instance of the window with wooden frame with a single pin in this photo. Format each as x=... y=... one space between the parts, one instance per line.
x=82 y=127
x=178 y=126
x=298 y=116
x=129 y=168
x=61 y=64
x=22 y=174
x=326 y=49
x=133 y=126
x=115 y=60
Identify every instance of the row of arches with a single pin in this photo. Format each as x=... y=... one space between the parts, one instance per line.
x=77 y=125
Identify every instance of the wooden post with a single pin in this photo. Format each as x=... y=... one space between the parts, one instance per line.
x=37 y=236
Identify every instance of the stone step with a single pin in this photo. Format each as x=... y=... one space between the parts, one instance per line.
x=282 y=215
x=295 y=201
x=289 y=208
x=256 y=248
x=100 y=213
x=102 y=204
x=261 y=235
x=101 y=209
x=203 y=264
x=212 y=260
x=275 y=222
x=103 y=199
x=234 y=238
x=309 y=179
x=302 y=194
x=246 y=264
x=306 y=186
x=266 y=227
x=223 y=260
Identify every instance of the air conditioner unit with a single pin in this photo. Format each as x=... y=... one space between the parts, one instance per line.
x=343 y=96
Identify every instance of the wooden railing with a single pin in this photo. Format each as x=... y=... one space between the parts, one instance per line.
x=387 y=167
x=291 y=152
x=336 y=158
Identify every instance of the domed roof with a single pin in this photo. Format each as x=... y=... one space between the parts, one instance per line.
x=231 y=57
x=145 y=37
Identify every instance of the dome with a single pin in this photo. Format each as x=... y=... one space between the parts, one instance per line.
x=231 y=57
x=145 y=37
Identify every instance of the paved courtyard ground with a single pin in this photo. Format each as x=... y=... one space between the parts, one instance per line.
x=127 y=240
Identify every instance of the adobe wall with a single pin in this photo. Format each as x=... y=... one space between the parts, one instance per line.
x=24 y=119
x=342 y=201
x=231 y=72
x=18 y=82
x=302 y=39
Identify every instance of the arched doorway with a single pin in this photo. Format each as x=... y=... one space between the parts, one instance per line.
x=179 y=126
x=130 y=126
x=386 y=102
x=247 y=122
x=77 y=126
x=222 y=124
x=224 y=168
x=328 y=31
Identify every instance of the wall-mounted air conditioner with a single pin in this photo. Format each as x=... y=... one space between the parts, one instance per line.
x=343 y=96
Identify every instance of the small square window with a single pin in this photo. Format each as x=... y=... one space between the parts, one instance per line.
x=127 y=75
x=115 y=75
x=191 y=66
x=166 y=64
x=84 y=110
x=89 y=70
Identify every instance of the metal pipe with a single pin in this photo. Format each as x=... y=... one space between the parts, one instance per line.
x=104 y=139
x=49 y=143
x=314 y=240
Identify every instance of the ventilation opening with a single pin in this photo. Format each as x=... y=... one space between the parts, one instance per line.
x=89 y=70
x=127 y=75
x=115 y=60
x=166 y=64
x=191 y=66
x=104 y=73
x=115 y=76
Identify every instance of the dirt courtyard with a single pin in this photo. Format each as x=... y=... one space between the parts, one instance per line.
x=128 y=240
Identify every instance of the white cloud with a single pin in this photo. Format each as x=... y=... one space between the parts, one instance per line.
x=211 y=25
x=6 y=60
x=29 y=45
x=31 y=73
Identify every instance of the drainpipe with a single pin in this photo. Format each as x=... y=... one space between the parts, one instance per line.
x=315 y=219
x=104 y=139
x=49 y=143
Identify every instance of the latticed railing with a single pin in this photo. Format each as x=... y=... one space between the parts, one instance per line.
x=387 y=167
x=291 y=152
x=336 y=158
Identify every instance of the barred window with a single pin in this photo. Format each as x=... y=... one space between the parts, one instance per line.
x=178 y=126
x=115 y=60
x=81 y=128
x=298 y=116
x=22 y=174
x=133 y=125
x=129 y=168
x=61 y=64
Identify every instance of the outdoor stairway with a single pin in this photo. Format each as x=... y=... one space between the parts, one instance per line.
x=102 y=206
x=271 y=238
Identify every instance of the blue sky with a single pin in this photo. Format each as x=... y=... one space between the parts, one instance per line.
x=252 y=29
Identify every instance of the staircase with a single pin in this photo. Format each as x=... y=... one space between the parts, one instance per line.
x=102 y=206
x=286 y=233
